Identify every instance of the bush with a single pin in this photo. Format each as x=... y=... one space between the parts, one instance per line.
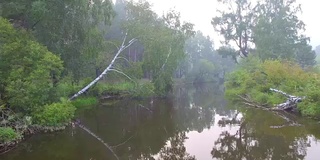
x=56 y=114
x=144 y=90
x=254 y=79
x=27 y=69
x=7 y=134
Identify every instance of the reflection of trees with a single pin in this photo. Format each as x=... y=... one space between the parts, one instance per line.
x=143 y=131
x=176 y=149
x=256 y=140
x=195 y=107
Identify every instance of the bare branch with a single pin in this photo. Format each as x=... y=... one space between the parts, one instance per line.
x=115 y=70
x=123 y=59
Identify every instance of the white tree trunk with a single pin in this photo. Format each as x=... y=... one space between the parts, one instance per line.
x=291 y=102
x=109 y=68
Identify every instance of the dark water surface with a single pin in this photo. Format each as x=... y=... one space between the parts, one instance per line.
x=197 y=124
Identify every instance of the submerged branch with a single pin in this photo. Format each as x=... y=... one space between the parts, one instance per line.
x=277 y=111
x=122 y=142
x=140 y=105
x=99 y=139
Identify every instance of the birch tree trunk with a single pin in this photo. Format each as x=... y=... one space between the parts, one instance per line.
x=291 y=103
x=109 y=68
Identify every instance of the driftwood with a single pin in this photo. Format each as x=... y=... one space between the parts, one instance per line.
x=290 y=104
x=282 y=110
x=109 y=68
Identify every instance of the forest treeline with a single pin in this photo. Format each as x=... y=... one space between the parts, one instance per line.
x=50 y=49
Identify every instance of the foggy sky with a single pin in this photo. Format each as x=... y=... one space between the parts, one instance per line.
x=200 y=13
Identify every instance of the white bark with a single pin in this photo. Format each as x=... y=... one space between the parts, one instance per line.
x=109 y=68
x=291 y=102
x=164 y=64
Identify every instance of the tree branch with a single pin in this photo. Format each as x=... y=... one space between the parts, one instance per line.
x=115 y=70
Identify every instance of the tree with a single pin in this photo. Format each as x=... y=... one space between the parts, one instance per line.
x=28 y=70
x=277 y=34
x=235 y=24
x=71 y=29
x=163 y=40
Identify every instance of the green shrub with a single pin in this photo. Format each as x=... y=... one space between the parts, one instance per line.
x=55 y=114
x=65 y=88
x=144 y=90
x=7 y=134
x=27 y=69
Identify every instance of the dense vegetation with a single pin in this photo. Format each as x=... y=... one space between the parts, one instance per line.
x=254 y=79
x=269 y=35
x=50 y=50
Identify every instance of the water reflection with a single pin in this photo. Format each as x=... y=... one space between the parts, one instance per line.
x=196 y=124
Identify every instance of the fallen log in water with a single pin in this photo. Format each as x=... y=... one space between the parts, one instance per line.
x=290 y=104
x=282 y=110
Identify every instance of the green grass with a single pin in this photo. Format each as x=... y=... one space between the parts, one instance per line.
x=7 y=134
x=85 y=101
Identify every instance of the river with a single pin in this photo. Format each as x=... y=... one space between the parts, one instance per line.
x=196 y=123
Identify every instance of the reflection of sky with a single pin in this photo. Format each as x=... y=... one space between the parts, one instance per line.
x=314 y=150
x=200 y=144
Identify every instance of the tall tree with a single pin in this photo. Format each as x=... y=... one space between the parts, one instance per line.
x=276 y=32
x=163 y=39
x=235 y=24
x=68 y=28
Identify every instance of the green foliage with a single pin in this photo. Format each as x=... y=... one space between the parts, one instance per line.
x=235 y=23
x=7 y=134
x=72 y=29
x=254 y=79
x=84 y=102
x=55 y=114
x=141 y=89
x=163 y=40
x=28 y=70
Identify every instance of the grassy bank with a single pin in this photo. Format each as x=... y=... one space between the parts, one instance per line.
x=57 y=115
x=254 y=78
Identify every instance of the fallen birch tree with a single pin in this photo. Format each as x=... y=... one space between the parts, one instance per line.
x=281 y=110
x=291 y=102
x=109 y=68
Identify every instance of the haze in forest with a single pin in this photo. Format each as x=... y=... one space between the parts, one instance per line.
x=200 y=13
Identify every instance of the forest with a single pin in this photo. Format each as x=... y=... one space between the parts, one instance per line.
x=50 y=50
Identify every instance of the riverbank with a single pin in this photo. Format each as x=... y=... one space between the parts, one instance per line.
x=57 y=116
x=253 y=79
x=208 y=123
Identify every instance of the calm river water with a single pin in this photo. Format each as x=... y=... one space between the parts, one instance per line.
x=197 y=123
